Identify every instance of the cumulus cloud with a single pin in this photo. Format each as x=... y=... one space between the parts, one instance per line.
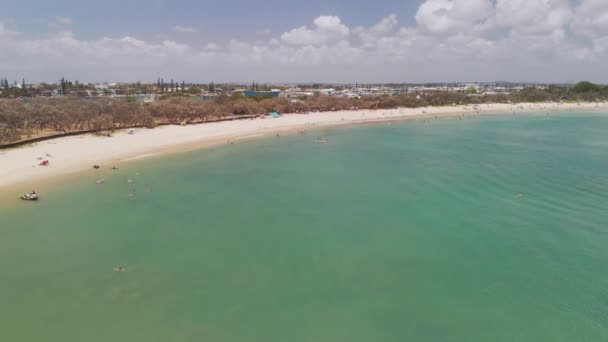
x=533 y=16
x=184 y=29
x=370 y=35
x=327 y=29
x=591 y=18
x=453 y=16
x=384 y=27
x=545 y=40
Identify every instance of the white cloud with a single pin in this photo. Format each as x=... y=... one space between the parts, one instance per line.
x=328 y=29
x=533 y=16
x=184 y=29
x=385 y=27
x=64 y=20
x=591 y=18
x=453 y=16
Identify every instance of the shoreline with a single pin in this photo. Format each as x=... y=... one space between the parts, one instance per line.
x=72 y=155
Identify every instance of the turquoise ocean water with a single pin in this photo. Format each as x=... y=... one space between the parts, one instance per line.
x=480 y=229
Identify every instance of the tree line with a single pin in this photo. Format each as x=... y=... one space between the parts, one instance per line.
x=30 y=117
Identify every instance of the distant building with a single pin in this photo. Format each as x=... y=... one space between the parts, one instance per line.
x=273 y=93
x=145 y=98
x=328 y=92
x=297 y=93
x=52 y=93
x=207 y=96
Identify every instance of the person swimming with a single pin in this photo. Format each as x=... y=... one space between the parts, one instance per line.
x=119 y=269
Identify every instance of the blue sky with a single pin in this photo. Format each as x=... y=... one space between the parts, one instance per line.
x=305 y=41
x=223 y=20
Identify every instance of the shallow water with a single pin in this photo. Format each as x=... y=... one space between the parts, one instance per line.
x=481 y=229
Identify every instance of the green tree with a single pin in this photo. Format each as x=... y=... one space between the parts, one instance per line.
x=471 y=90
x=585 y=87
x=64 y=86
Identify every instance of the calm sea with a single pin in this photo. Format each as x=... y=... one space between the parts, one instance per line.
x=475 y=229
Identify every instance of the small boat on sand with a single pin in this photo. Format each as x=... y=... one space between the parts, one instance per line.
x=29 y=197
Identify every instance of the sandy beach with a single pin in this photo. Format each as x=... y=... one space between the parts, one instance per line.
x=20 y=166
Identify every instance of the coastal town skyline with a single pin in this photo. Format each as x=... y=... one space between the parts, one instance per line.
x=76 y=88
x=549 y=41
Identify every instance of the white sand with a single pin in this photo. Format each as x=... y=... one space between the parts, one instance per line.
x=79 y=153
